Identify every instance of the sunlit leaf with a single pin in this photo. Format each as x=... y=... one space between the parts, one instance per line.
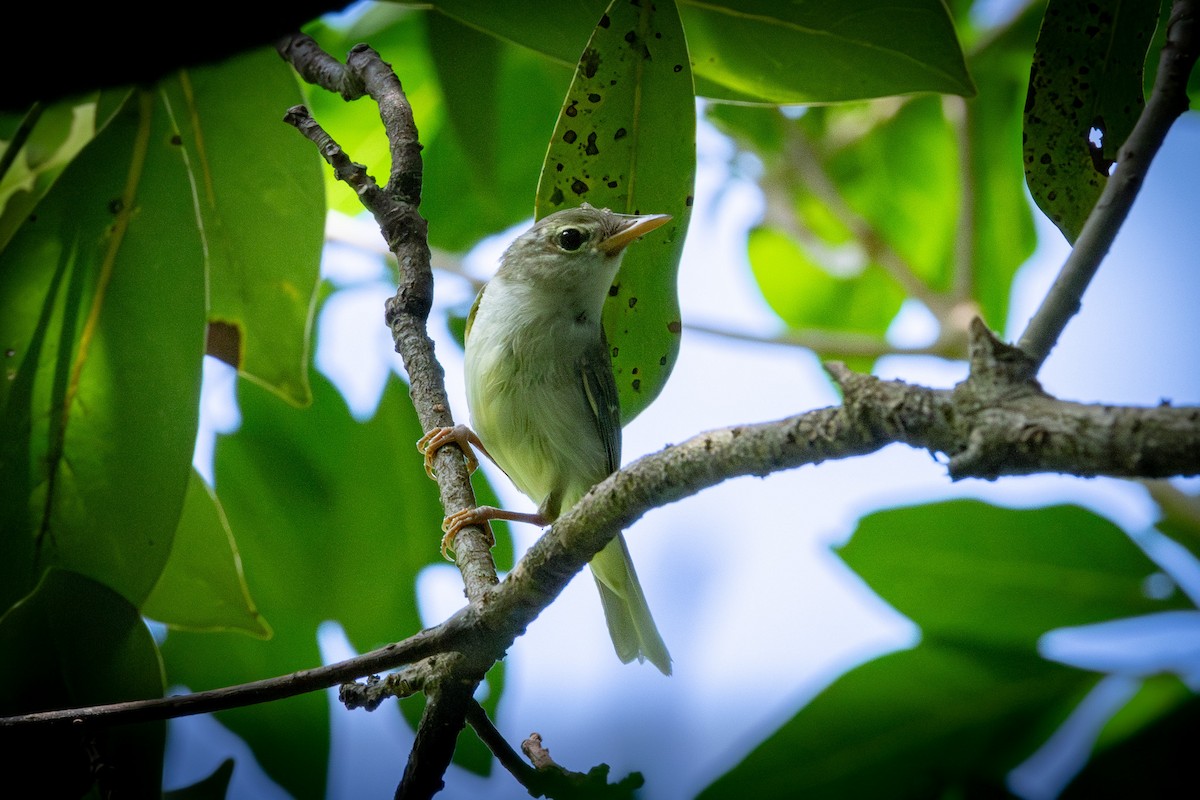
x=968 y=570
x=626 y=140
x=771 y=52
x=74 y=642
x=102 y=335
x=52 y=137
x=202 y=586
x=1085 y=94
x=258 y=189
x=763 y=51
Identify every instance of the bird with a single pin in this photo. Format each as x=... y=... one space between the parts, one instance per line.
x=542 y=397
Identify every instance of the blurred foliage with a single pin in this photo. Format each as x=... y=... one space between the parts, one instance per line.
x=143 y=227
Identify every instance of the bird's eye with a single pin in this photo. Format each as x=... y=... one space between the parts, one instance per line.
x=571 y=239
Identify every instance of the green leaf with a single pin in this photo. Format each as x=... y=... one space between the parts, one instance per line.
x=102 y=331
x=798 y=53
x=1086 y=76
x=952 y=716
x=805 y=295
x=481 y=160
x=626 y=140
x=903 y=177
x=947 y=720
x=202 y=587
x=766 y=52
x=74 y=642
x=1002 y=232
x=481 y=170
x=966 y=570
x=334 y=520
x=50 y=138
x=259 y=197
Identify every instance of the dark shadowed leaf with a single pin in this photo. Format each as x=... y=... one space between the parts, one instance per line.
x=79 y=644
x=1085 y=94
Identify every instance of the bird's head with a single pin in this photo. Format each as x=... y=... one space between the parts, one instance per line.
x=576 y=249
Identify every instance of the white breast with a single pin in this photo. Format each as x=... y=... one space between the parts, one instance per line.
x=526 y=400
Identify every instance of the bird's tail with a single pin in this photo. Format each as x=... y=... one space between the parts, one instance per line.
x=630 y=624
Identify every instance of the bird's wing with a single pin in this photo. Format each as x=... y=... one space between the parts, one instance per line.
x=473 y=311
x=600 y=388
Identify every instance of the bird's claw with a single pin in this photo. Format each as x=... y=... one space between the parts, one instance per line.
x=455 y=522
x=429 y=444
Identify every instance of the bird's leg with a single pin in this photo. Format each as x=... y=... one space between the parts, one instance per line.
x=461 y=435
x=481 y=515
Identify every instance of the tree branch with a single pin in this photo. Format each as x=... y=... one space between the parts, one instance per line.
x=996 y=422
x=1167 y=101
x=406 y=233
x=395 y=208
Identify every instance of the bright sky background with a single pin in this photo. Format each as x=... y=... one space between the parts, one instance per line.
x=757 y=611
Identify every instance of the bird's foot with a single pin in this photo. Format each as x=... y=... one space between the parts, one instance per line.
x=429 y=444
x=467 y=517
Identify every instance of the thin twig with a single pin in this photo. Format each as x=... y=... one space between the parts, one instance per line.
x=1167 y=101
x=833 y=344
x=415 y=647
x=510 y=759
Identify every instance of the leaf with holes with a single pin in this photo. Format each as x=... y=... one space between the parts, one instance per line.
x=1085 y=94
x=626 y=140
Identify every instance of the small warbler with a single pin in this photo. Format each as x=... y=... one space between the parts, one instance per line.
x=542 y=397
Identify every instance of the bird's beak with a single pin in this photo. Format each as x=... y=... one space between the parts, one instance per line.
x=631 y=228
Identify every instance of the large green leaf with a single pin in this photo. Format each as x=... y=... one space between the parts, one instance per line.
x=626 y=140
x=953 y=715
x=763 y=51
x=1086 y=80
x=102 y=334
x=74 y=642
x=968 y=570
x=259 y=200
x=333 y=520
x=946 y=720
x=202 y=586
x=819 y=52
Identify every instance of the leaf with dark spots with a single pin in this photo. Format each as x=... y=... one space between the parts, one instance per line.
x=627 y=94
x=1085 y=81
